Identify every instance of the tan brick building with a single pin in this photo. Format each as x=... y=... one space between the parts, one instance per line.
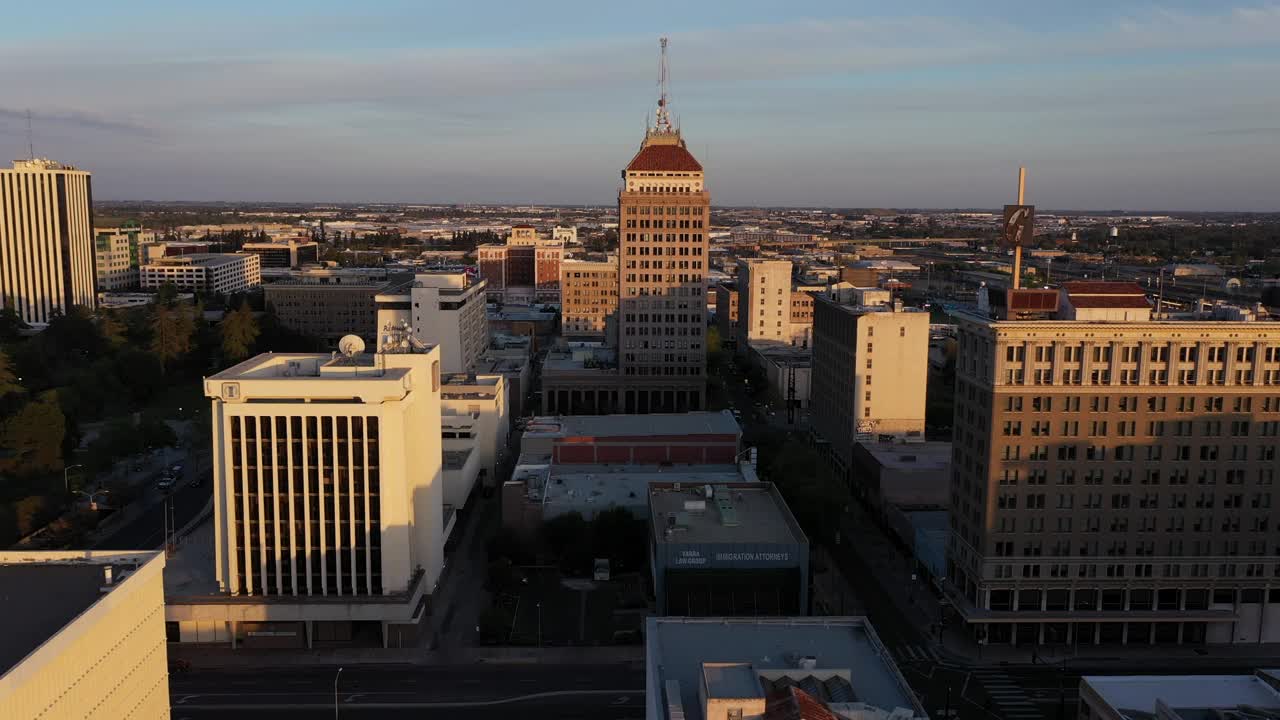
x=588 y=297
x=1113 y=476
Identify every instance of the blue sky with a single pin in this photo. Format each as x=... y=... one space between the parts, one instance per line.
x=930 y=104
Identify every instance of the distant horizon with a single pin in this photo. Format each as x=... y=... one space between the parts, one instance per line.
x=1122 y=103
x=714 y=207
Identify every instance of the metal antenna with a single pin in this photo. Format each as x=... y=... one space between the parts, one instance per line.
x=662 y=123
x=31 y=148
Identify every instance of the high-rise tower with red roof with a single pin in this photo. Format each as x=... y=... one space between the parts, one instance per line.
x=664 y=211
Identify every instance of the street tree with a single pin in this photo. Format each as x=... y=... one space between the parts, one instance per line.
x=171 y=332
x=239 y=331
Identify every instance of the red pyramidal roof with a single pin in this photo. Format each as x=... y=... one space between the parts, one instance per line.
x=658 y=158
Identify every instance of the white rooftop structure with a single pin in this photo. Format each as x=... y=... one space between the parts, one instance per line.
x=1181 y=697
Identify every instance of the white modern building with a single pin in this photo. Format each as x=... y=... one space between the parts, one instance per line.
x=83 y=635
x=46 y=240
x=115 y=252
x=328 y=511
x=483 y=398
x=445 y=309
x=223 y=273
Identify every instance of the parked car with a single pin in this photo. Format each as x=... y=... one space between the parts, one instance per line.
x=165 y=484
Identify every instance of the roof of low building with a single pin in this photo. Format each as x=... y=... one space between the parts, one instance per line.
x=737 y=514
x=664 y=157
x=1135 y=696
x=1100 y=287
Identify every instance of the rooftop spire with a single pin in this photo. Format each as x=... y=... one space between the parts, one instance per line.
x=662 y=123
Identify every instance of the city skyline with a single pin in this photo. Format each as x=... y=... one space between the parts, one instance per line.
x=1111 y=105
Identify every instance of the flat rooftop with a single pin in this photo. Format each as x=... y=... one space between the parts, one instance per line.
x=741 y=513
x=200 y=259
x=676 y=648
x=1135 y=696
x=315 y=366
x=38 y=599
x=614 y=485
x=910 y=456
x=694 y=423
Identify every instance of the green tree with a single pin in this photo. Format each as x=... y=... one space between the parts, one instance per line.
x=33 y=436
x=713 y=340
x=239 y=331
x=167 y=294
x=171 y=331
x=11 y=323
x=8 y=380
x=111 y=328
x=32 y=513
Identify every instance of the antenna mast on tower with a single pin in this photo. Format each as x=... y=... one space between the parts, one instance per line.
x=662 y=123
x=31 y=148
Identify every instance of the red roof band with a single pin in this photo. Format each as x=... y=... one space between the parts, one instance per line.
x=670 y=158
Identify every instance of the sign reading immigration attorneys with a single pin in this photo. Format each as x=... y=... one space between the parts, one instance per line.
x=1019 y=224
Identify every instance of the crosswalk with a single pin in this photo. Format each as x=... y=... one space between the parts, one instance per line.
x=1010 y=699
x=915 y=653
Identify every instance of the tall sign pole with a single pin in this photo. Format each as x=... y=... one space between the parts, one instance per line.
x=1017 y=249
x=1019 y=225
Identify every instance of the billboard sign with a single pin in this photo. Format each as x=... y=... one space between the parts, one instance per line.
x=1019 y=224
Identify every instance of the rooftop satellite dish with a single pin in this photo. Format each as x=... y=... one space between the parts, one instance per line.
x=351 y=345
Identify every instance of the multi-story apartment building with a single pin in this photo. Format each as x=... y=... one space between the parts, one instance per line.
x=84 y=635
x=327 y=493
x=1113 y=475
x=46 y=240
x=328 y=303
x=764 y=301
x=663 y=212
x=802 y=314
x=588 y=297
x=444 y=309
x=115 y=252
x=223 y=273
x=870 y=369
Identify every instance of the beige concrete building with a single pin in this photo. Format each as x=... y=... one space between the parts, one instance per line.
x=223 y=273
x=445 y=309
x=327 y=499
x=764 y=301
x=870 y=370
x=328 y=303
x=46 y=239
x=483 y=398
x=588 y=297
x=83 y=635
x=1113 y=478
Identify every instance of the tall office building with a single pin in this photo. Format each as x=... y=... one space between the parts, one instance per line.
x=46 y=239
x=764 y=301
x=664 y=210
x=870 y=369
x=444 y=309
x=1113 y=475
x=327 y=482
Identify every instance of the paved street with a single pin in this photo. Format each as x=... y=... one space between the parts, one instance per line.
x=146 y=531
x=444 y=691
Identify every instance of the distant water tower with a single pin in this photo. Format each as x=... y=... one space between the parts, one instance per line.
x=1113 y=233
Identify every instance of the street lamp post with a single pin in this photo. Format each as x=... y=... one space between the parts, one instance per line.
x=539 y=624
x=335 y=693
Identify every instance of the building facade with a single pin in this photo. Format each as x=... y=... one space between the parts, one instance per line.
x=870 y=370
x=727 y=314
x=223 y=273
x=46 y=240
x=328 y=304
x=663 y=212
x=284 y=253
x=115 y=252
x=523 y=271
x=445 y=309
x=1112 y=480
x=764 y=300
x=588 y=297
x=84 y=635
